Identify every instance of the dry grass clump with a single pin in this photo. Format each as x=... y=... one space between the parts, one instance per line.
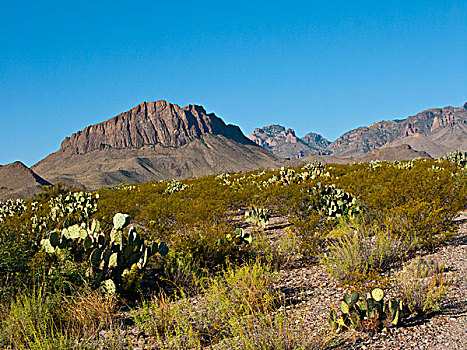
x=423 y=284
x=38 y=320
x=356 y=250
x=283 y=330
x=207 y=319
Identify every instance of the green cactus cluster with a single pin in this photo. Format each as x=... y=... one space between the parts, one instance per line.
x=62 y=209
x=436 y=168
x=314 y=166
x=290 y=176
x=333 y=202
x=223 y=177
x=227 y=180
x=38 y=222
x=175 y=186
x=403 y=165
x=238 y=183
x=375 y=164
x=240 y=237
x=458 y=157
x=370 y=314
x=111 y=258
x=82 y=204
x=11 y=208
x=124 y=187
x=258 y=216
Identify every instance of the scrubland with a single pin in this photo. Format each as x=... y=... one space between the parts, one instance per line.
x=234 y=261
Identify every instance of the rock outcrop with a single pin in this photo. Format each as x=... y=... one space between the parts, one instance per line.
x=151 y=123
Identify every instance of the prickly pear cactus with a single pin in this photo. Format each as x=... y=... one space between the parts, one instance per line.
x=79 y=204
x=370 y=314
x=458 y=157
x=333 y=202
x=258 y=216
x=110 y=257
x=11 y=208
x=175 y=186
x=240 y=237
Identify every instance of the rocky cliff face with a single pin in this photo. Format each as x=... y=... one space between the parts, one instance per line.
x=153 y=141
x=284 y=143
x=151 y=123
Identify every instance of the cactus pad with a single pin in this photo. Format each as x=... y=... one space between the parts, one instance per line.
x=377 y=294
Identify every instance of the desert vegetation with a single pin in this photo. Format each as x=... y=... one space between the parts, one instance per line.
x=198 y=263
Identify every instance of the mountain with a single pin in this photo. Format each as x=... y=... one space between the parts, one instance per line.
x=317 y=142
x=153 y=141
x=284 y=143
x=435 y=131
x=18 y=181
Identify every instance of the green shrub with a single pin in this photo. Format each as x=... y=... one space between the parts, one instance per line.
x=312 y=231
x=420 y=224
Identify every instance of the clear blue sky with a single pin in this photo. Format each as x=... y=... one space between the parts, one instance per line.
x=322 y=66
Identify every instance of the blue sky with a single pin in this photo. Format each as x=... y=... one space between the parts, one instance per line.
x=326 y=66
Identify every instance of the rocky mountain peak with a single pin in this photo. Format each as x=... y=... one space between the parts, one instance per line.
x=283 y=142
x=151 y=123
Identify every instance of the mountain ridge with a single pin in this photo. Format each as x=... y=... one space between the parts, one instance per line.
x=160 y=141
x=435 y=131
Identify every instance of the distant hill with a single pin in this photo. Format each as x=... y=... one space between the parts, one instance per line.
x=18 y=181
x=153 y=141
x=435 y=131
x=403 y=152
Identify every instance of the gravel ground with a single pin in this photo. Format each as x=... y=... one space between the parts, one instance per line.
x=446 y=329
x=311 y=291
